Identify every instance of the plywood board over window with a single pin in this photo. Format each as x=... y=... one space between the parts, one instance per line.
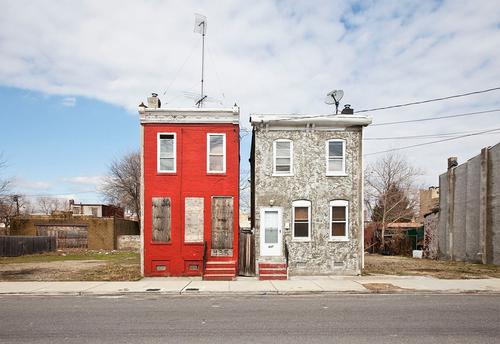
x=222 y=226
x=161 y=219
x=193 y=219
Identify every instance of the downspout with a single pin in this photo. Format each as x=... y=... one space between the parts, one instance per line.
x=362 y=204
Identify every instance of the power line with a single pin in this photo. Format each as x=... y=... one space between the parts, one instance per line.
x=411 y=137
x=435 y=118
x=430 y=100
x=432 y=142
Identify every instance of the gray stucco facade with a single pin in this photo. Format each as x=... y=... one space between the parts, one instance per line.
x=469 y=217
x=320 y=254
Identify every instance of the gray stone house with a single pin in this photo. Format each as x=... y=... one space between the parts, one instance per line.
x=307 y=194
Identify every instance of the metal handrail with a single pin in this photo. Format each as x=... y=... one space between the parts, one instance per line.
x=204 y=260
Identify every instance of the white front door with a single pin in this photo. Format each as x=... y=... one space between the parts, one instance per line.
x=270 y=232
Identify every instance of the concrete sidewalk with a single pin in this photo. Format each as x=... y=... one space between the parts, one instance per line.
x=247 y=285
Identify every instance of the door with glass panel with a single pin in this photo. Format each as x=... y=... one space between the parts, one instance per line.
x=270 y=232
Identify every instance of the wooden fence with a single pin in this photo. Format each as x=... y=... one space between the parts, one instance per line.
x=13 y=246
x=246 y=259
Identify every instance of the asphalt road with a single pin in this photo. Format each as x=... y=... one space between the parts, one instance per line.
x=253 y=319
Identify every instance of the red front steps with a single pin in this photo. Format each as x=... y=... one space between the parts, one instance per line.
x=216 y=270
x=272 y=271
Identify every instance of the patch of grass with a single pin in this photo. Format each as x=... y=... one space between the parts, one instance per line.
x=73 y=255
x=112 y=272
x=404 y=266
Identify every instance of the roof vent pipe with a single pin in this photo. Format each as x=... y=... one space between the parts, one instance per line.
x=452 y=162
x=347 y=110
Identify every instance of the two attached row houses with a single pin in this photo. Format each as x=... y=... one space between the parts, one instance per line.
x=306 y=193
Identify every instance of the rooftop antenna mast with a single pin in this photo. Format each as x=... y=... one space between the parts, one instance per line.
x=200 y=26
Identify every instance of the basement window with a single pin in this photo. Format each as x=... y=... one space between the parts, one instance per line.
x=301 y=218
x=216 y=153
x=282 y=158
x=166 y=152
x=335 y=157
x=339 y=216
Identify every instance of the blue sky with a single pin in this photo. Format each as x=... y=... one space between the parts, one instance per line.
x=72 y=75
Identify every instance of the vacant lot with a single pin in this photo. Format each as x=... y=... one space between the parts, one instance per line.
x=395 y=265
x=72 y=266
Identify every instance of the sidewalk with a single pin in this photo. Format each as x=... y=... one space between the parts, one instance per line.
x=252 y=286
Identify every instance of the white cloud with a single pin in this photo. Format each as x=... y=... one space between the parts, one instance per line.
x=69 y=101
x=269 y=57
x=85 y=180
x=31 y=185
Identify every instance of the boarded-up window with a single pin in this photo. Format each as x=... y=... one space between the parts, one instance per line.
x=222 y=226
x=161 y=219
x=193 y=219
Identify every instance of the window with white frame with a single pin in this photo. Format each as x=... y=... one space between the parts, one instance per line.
x=301 y=219
x=335 y=157
x=216 y=153
x=283 y=157
x=166 y=152
x=339 y=220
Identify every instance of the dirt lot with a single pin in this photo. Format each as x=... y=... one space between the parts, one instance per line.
x=72 y=266
x=396 y=265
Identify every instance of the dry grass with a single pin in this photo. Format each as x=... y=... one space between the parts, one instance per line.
x=396 y=265
x=73 y=265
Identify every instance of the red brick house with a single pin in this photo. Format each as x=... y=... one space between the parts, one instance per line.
x=190 y=189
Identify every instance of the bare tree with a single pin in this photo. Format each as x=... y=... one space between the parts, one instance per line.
x=48 y=205
x=4 y=182
x=14 y=205
x=245 y=191
x=123 y=183
x=391 y=191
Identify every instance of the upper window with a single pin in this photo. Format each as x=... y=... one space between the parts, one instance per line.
x=339 y=223
x=335 y=157
x=166 y=152
x=216 y=153
x=283 y=157
x=301 y=218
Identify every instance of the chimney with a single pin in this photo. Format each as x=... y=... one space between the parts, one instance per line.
x=347 y=110
x=154 y=102
x=452 y=162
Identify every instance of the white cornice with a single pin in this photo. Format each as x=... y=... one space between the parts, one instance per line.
x=319 y=121
x=190 y=115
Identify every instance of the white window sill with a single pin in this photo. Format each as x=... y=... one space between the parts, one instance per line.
x=301 y=240
x=282 y=175
x=338 y=240
x=339 y=174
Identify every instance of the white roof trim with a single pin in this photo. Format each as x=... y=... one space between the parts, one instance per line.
x=190 y=115
x=295 y=120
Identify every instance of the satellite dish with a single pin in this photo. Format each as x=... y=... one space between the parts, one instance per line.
x=334 y=97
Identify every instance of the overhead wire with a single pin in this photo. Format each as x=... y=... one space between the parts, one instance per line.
x=430 y=100
x=432 y=142
x=413 y=137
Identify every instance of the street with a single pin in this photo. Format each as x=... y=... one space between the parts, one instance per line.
x=251 y=319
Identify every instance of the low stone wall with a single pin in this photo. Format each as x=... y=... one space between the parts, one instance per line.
x=129 y=243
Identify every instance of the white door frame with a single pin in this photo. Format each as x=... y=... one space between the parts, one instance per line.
x=275 y=249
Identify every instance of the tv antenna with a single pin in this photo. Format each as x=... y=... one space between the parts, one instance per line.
x=198 y=100
x=334 y=97
x=200 y=26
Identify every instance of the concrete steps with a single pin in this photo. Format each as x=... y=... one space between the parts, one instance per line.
x=216 y=270
x=272 y=271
